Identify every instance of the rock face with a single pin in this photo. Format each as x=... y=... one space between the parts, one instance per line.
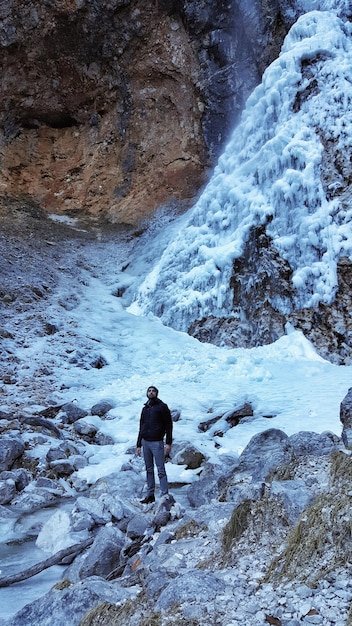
x=117 y=108
x=262 y=287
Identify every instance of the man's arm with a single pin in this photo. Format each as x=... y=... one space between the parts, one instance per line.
x=168 y=427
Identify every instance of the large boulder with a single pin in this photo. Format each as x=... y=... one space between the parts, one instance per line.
x=193 y=586
x=264 y=452
x=103 y=557
x=67 y=604
x=310 y=443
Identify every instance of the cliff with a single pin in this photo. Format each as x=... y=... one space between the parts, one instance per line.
x=114 y=109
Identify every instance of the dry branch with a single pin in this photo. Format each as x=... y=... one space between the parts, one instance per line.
x=55 y=559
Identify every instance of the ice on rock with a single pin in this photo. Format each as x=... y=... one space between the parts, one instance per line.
x=271 y=168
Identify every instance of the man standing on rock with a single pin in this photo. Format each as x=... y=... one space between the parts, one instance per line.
x=155 y=424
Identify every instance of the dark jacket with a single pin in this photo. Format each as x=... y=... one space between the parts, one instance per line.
x=155 y=422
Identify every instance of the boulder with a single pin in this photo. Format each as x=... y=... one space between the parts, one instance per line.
x=137 y=526
x=62 y=467
x=264 y=452
x=69 y=603
x=194 y=586
x=211 y=483
x=103 y=556
x=7 y=490
x=101 y=408
x=10 y=450
x=29 y=501
x=295 y=496
x=309 y=443
x=72 y=413
x=346 y=410
x=95 y=507
x=84 y=429
x=190 y=456
x=101 y=439
x=20 y=476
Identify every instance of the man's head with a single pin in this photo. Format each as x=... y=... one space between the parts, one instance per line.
x=152 y=392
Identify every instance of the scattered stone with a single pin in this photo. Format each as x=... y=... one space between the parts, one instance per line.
x=190 y=456
x=85 y=430
x=72 y=413
x=101 y=408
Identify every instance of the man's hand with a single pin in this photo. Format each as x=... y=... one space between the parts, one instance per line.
x=138 y=451
x=167 y=449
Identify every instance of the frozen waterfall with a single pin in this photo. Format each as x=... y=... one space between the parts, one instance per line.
x=272 y=172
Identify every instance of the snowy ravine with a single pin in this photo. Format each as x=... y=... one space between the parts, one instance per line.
x=270 y=173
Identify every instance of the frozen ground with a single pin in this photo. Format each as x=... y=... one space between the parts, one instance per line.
x=49 y=342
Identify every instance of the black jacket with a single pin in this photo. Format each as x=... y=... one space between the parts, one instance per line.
x=155 y=422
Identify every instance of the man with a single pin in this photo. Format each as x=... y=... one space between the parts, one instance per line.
x=155 y=424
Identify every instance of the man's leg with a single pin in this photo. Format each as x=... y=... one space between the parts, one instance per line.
x=159 y=456
x=149 y=466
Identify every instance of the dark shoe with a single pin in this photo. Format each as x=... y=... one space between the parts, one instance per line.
x=147 y=500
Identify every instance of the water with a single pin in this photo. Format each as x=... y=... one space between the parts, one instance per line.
x=18 y=552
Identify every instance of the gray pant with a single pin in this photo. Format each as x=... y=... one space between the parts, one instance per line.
x=154 y=451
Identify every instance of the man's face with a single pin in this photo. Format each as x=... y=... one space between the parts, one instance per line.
x=151 y=393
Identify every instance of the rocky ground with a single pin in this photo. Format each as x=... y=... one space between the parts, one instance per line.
x=41 y=258
x=264 y=539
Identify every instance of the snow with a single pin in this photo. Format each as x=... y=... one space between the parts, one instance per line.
x=179 y=270
x=270 y=172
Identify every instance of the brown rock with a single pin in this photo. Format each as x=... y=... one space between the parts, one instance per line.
x=113 y=109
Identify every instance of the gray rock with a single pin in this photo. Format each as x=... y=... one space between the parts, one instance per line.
x=137 y=526
x=68 y=605
x=21 y=477
x=62 y=451
x=193 y=586
x=10 y=450
x=175 y=415
x=190 y=456
x=85 y=429
x=48 y=483
x=95 y=508
x=123 y=490
x=72 y=413
x=54 y=454
x=163 y=511
x=101 y=439
x=211 y=483
x=346 y=410
x=265 y=452
x=294 y=495
x=347 y=438
x=346 y=419
x=113 y=506
x=30 y=501
x=7 y=490
x=238 y=492
x=101 y=408
x=155 y=582
x=306 y=442
x=82 y=521
x=103 y=557
x=63 y=467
